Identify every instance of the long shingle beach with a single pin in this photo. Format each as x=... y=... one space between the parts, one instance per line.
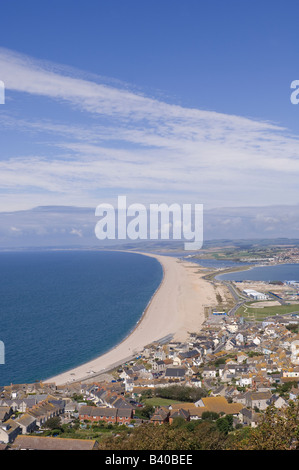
x=176 y=309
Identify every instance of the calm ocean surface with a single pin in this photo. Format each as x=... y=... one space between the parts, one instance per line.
x=281 y=272
x=61 y=309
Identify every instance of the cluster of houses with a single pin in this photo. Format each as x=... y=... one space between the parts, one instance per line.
x=239 y=365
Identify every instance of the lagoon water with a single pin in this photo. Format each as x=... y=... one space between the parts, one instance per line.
x=280 y=272
x=60 y=309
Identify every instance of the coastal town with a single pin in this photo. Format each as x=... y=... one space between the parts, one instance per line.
x=270 y=254
x=237 y=365
x=149 y=247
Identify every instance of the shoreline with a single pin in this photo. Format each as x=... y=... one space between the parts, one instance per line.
x=175 y=308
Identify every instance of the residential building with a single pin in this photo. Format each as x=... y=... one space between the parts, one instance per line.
x=53 y=443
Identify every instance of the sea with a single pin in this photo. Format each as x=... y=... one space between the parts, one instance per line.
x=60 y=309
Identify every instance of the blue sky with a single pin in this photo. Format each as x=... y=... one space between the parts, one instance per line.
x=232 y=57
x=165 y=101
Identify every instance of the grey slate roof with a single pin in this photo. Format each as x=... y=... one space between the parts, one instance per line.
x=175 y=372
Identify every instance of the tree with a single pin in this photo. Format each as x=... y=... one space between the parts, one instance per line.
x=146 y=394
x=145 y=412
x=53 y=423
x=209 y=415
x=219 y=361
x=279 y=430
x=204 y=436
x=225 y=424
x=285 y=388
x=178 y=422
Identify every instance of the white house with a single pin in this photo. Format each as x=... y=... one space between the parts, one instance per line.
x=177 y=361
x=292 y=372
x=295 y=352
x=9 y=431
x=232 y=328
x=239 y=338
x=256 y=340
x=209 y=372
x=245 y=380
x=280 y=402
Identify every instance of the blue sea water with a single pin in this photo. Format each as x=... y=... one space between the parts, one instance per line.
x=60 y=309
x=280 y=272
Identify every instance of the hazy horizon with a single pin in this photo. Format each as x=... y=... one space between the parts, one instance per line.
x=74 y=226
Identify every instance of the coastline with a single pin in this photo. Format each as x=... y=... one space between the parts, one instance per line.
x=176 y=308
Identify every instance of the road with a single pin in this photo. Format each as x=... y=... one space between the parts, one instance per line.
x=240 y=299
x=276 y=297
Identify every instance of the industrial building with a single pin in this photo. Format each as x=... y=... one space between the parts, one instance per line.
x=253 y=294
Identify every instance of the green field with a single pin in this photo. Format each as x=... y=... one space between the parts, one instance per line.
x=160 y=401
x=260 y=314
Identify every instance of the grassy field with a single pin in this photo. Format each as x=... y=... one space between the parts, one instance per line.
x=259 y=314
x=160 y=401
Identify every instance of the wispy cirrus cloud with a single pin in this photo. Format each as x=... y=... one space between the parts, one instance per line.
x=122 y=140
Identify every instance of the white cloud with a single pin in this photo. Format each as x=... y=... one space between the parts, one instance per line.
x=77 y=232
x=145 y=146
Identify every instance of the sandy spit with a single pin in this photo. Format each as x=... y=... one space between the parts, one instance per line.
x=177 y=308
